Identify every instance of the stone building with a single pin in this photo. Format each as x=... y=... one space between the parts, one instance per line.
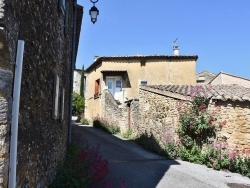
x=225 y=78
x=122 y=76
x=205 y=77
x=46 y=27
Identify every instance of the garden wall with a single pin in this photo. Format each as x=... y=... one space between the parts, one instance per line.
x=237 y=127
x=158 y=115
x=113 y=111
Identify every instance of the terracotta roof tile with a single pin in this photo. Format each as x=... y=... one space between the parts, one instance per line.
x=221 y=92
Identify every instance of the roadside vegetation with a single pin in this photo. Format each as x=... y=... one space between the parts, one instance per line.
x=195 y=140
x=78 y=102
x=83 y=167
x=107 y=125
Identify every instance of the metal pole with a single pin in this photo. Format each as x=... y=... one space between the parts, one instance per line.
x=15 y=114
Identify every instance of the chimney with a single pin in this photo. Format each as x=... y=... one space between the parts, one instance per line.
x=96 y=57
x=176 y=50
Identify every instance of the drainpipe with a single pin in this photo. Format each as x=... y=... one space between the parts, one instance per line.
x=15 y=114
x=73 y=60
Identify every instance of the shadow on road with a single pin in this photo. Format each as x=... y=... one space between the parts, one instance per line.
x=128 y=161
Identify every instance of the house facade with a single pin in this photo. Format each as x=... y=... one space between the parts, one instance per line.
x=205 y=77
x=122 y=76
x=225 y=78
x=77 y=80
x=46 y=27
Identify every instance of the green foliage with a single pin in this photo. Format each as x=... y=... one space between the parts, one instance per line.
x=128 y=134
x=107 y=125
x=197 y=126
x=82 y=168
x=196 y=122
x=82 y=83
x=84 y=121
x=77 y=103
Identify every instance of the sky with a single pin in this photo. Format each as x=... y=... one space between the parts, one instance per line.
x=218 y=31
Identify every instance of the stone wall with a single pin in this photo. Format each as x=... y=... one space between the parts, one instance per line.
x=157 y=115
x=8 y=36
x=41 y=139
x=114 y=111
x=237 y=127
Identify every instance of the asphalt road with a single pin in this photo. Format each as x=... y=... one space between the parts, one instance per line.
x=142 y=169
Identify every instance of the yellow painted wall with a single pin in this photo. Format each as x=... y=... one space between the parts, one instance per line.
x=155 y=72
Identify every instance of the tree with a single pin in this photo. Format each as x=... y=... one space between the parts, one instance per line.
x=82 y=83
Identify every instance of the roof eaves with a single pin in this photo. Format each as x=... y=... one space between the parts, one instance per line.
x=140 y=57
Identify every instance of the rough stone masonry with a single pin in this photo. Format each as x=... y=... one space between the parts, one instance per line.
x=47 y=33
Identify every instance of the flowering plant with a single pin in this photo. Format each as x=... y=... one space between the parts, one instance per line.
x=197 y=124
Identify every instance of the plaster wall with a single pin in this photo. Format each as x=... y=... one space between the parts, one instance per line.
x=77 y=81
x=155 y=72
x=227 y=79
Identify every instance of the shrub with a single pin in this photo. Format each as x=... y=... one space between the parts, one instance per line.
x=84 y=121
x=128 y=134
x=197 y=123
x=82 y=168
x=108 y=125
x=77 y=104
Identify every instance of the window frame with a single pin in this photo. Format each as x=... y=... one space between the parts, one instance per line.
x=97 y=88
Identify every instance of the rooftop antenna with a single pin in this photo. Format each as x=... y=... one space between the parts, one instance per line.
x=176 y=48
x=175 y=41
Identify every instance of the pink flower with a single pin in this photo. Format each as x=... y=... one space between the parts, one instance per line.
x=232 y=155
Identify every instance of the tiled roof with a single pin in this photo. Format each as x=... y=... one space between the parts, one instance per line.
x=220 y=92
x=228 y=75
x=140 y=58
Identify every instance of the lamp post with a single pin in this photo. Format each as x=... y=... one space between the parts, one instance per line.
x=93 y=12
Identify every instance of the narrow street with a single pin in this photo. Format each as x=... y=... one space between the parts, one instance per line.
x=139 y=168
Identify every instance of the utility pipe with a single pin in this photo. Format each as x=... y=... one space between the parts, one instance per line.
x=73 y=60
x=15 y=114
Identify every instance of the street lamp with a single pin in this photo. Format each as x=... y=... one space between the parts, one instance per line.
x=93 y=12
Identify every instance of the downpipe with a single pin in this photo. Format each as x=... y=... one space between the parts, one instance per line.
x=15 y=114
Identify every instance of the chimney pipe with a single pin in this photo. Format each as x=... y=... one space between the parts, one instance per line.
x=176 y=50
x=96 y=57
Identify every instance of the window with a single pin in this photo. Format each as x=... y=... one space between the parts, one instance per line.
x=55 y=112
x=66 y=18
x=143 y=63
x=62 y=6
x=97 y=88
x=109 y=85
x=118 y=84
x=143 y=82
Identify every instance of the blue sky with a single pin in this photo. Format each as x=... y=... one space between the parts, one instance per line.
x=218 y=31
